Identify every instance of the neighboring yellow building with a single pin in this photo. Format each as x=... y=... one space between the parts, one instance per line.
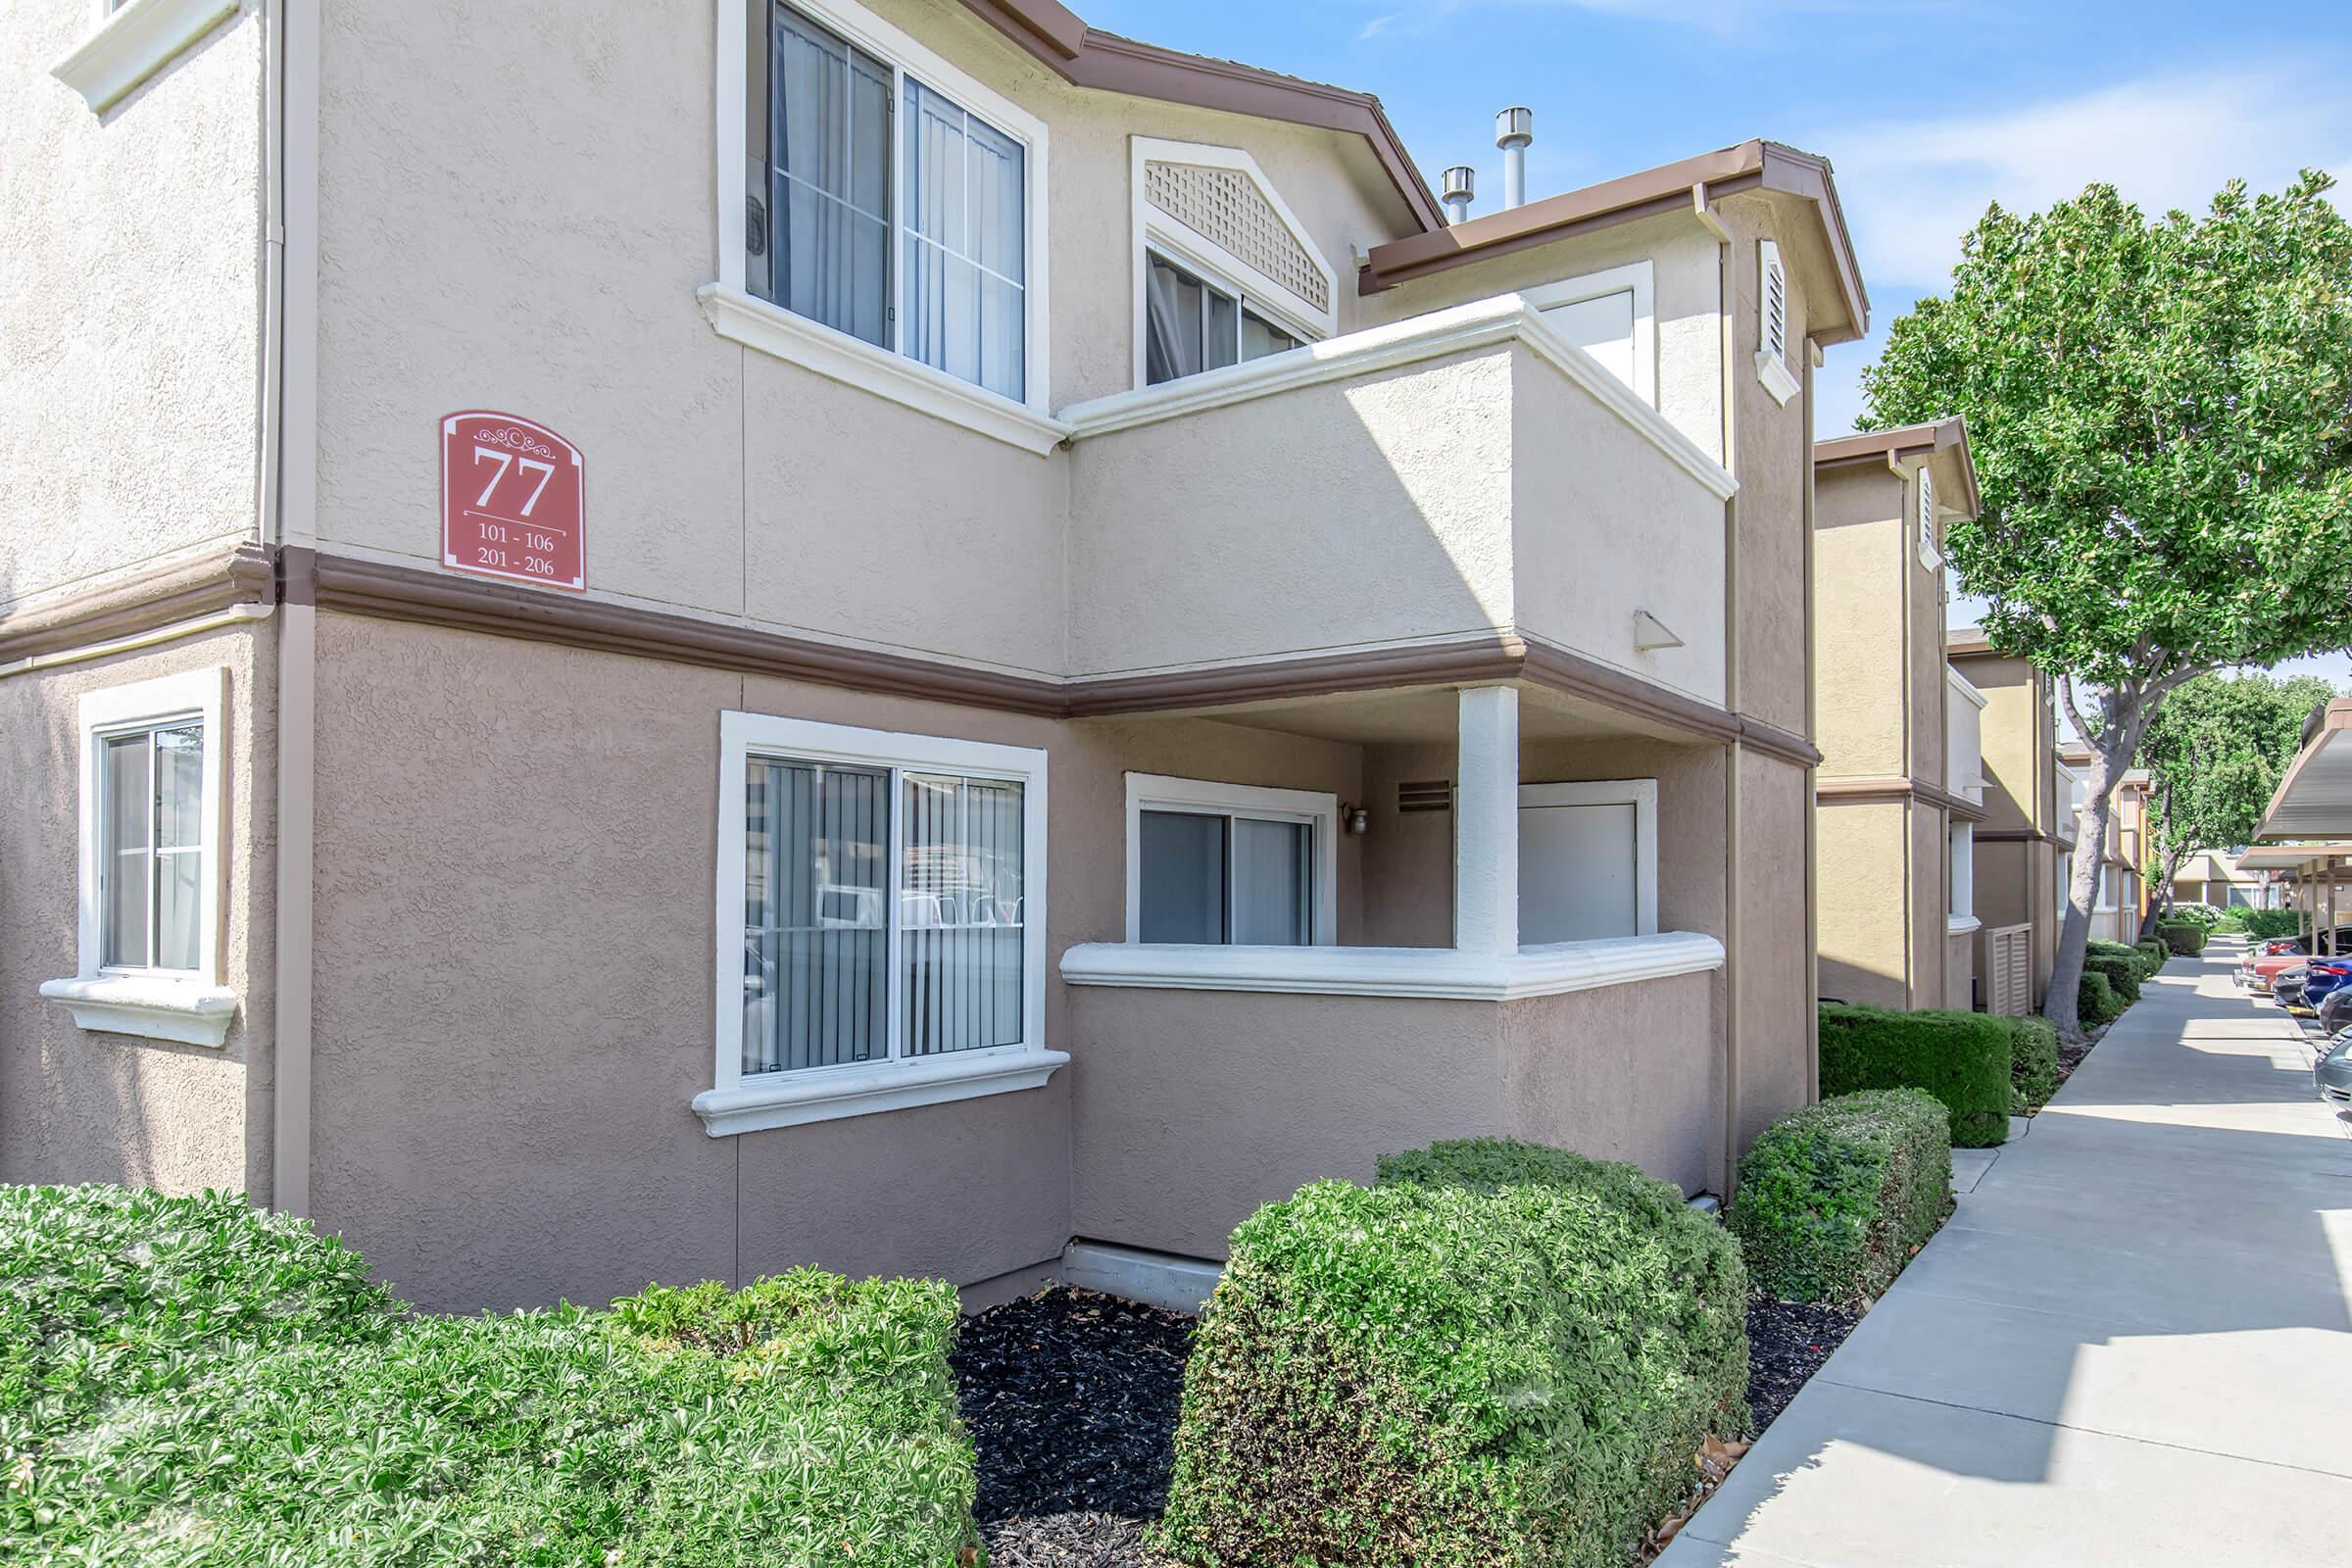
x=2115 y=912
x=1899 y=789
x=2024 y=847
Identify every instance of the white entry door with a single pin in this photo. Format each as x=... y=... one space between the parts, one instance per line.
x=1588 y=860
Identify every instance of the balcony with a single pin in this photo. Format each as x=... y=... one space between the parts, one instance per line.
x=1466 y=479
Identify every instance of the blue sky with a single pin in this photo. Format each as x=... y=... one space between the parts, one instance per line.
x=1928 y=111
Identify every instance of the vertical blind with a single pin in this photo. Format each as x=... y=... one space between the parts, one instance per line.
x=824 y=911
x=1213 y=877
x=151 y=907
x=825 y=253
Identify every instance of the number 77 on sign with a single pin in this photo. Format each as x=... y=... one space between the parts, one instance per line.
x=513 y=501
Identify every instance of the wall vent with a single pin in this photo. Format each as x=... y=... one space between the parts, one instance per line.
x=1425 y=795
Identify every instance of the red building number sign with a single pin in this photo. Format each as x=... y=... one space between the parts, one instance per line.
x=513 y=503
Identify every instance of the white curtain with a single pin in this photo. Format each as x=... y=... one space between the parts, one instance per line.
x=961 y=913
x=830 y=130
x=965 y=245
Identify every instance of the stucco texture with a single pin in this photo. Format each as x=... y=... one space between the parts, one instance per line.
x=1193 y=1109
x=79 y=1106
x=130 y=347
x=1859 y=677
x=1863 y=927
x=1770 y=979
x=720 y=479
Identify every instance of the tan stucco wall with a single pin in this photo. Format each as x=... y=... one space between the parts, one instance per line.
x=130 y=343
x=1193 y=1109
x=1687 y=294
x=721 y=479
x=2017 y=739
x=79 y=1106
x=1858 y=668
x=1773 y=447
x=1771 y=991
x=1960 y=971
x=1863 y=877
x=2016 y=884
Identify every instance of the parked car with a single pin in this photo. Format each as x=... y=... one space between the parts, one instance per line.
x=2265 y=959
x=2324 y=977
x=2335 y=1011
x=2333 y=1071
x=2286 y=986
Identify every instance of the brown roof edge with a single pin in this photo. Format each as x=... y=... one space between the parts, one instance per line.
x=1669 y=187
x=1088 y=57
x=1948 y=434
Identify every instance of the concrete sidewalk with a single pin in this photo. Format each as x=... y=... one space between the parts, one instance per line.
x=2131 y=1344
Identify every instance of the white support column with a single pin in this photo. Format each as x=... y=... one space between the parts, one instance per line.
x=1485 y=841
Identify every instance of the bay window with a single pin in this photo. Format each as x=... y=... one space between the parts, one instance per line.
x=1226 y=864
x=881 y=922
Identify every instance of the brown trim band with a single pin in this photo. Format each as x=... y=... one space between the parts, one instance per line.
x=1885 y=791
x=1088 y=57
x=428 y=597
x=240 y=575
x=2023 y=835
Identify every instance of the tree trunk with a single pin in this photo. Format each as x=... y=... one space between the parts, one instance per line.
x=2161 y=903
x=2111 y=757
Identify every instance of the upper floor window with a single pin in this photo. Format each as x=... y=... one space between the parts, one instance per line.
x=1225 y=271
x=882 y=217
x=1230 y=863
x=1192 y=325
x=1771 y=324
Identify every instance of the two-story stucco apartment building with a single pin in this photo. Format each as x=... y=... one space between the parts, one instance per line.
x=2024 y=847
x=1900 y=784
x=671 y=639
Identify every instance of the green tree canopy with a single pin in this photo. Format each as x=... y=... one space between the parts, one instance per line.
x=2160 y=414
x=2215 y=750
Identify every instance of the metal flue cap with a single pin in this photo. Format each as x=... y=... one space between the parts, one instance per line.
x=1514 y=127
x=1462 y=182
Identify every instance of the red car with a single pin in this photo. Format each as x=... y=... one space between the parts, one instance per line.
x=2264 y=960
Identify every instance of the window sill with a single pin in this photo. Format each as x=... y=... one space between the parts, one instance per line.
x=1776 y=379
x=754 y=322
x=1446 y=973
x=133 y=44
x=193 y=1013
x=792 y=1100
x=1960 y=925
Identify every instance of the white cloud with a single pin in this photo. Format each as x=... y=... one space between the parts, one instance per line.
x=1912 y=188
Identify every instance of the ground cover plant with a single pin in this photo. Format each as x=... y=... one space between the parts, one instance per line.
x=1962 y=1058
x=1833 y=1197
x=306 y=1419
x=1496 y=1356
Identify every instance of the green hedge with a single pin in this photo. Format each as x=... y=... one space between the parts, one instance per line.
x=2188 y=940
x=2095 y=1000
x=2263 y=924
x=1501 y=1354
x=2153 y=949
x=2032 y=1062
x=1962 y=1058
x=1834 y=1196
x=2122 y=972
x=274 y=1406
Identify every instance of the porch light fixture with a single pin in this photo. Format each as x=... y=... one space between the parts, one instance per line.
x=1355 y=820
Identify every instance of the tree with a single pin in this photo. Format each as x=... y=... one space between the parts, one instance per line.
x=2161 y=420
x=2214 y=750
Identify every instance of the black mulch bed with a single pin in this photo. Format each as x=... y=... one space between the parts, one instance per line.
x=1786 y=1342
x=1071 y=1399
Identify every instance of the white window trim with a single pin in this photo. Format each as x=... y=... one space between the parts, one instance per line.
x=130 y=44
x=1154 y=792
x=1447 y=975
x=190 y=1006
x=741 y=316
x=1642 y=794
x=1640 y=279
x=1773 y=368
x=735 y=1103
x=1153 y=230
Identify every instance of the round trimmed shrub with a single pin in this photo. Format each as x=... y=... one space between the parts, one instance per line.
x=1834 y=1196
x=2122 y=971
x=1962 y=1058
x=2186 y=941
x=2033 y=1061
x=2095 y=1000
x=1500 y=1355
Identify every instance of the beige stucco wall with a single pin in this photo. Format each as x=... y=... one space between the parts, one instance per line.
x=1773 y=447
x=1771 y=984
x=720 y=479
x=1604 y=524
x=130 y=344
x=1858 y=668
x=1687 y=295
x=1863 y=931
x=79 y=1106
x=1960 y=971
x=1367 y=510
x=1193 y=1109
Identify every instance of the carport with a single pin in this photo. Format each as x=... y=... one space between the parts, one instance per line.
x=2306 y=830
